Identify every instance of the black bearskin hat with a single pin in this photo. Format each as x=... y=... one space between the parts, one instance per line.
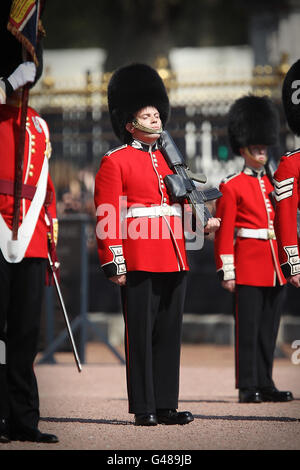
x=130 y=89
x=11 y=53
x=291 y=98
x=252 y=120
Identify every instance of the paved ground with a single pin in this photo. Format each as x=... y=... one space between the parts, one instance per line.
x=88 y=411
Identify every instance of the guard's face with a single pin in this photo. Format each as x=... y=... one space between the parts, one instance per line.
x=149 y=118
x=255 y=155
x=259 y=153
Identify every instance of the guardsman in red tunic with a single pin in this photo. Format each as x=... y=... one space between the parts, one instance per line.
x=23 y=268
x=246 y=249
x=287 y=184
x=141 y=244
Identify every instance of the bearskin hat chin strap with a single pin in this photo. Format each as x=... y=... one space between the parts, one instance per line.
x=148 y=130
x=249 y=154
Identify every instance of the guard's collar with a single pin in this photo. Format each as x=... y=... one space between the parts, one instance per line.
x=253 y=172
x=138 y=144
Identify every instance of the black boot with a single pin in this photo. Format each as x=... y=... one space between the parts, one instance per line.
x=272 y=394
x=171 y=416
x=145 y=419
x=4 y=432
x=33 y=435
x=249 y=396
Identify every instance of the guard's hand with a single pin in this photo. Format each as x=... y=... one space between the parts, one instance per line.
x=23 y=74
x=213 y=224
x=120 y=280
x=294 y=280
x=229 y=285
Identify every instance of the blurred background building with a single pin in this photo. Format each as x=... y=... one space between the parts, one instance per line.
x=209 y=52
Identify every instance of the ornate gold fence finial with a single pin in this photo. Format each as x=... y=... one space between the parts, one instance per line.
x=48 y=80
x=162 y=66
x=283 y=66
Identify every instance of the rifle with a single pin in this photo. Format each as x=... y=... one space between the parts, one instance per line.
x=271 y=167
x=181 y=184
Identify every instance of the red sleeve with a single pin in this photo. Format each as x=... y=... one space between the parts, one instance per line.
x=226 y=208
x=286 y=181
x=108 y=203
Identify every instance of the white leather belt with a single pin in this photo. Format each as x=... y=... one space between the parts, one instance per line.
x=154 y=211
x=260 y=233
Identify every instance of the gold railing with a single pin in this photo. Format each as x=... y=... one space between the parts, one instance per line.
x=265 y=80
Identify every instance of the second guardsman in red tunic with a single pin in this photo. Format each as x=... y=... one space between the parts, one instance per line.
x=246 y=249
x=287 y=184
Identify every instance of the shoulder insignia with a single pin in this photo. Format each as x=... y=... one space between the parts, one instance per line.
x=289 y=154
x=41 y=125
x=36 y=121
x=229 y=177
x=116 y=149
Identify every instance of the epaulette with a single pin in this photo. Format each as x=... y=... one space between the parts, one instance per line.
x=229 y=177
x=289 y=154
x=116 y=149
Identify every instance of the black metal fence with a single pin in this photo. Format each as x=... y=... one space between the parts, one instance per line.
x=79 y=140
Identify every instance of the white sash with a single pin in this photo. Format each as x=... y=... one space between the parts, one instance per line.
x=14 y=250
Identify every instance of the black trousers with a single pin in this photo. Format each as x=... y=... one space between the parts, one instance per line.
x=153 y=307
x=257 y=318
x=21 y=294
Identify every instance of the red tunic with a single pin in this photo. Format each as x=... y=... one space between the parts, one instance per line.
x=34 y=154
x=246 y=204
x=287 y=195
x=156 y=244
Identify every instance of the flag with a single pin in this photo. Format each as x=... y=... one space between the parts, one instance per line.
x=23 y=23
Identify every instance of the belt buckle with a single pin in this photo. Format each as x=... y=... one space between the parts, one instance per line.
x=166 y=210
x=271 y=234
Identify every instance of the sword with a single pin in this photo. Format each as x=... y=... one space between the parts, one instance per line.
x=62 y=304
